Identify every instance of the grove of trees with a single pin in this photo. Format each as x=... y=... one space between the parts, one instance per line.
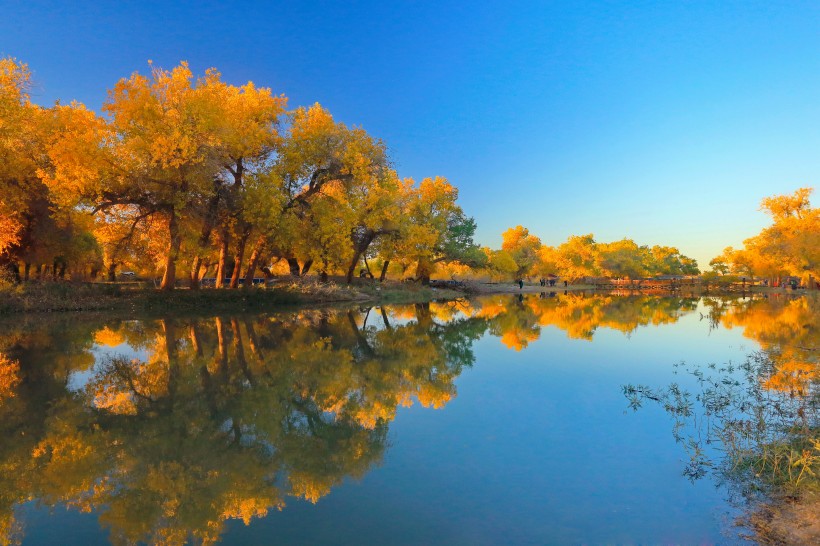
x=523 y=255
x=187 y=177
x=183 y=177
x=789 y=247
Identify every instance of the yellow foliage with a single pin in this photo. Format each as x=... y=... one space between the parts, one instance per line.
x=11 y=529
x=307 y=487
x=10 y=226
x=120 y=403
x=108 y=337
x=793 y=376
x=790 y=246
x=246 y=508
x=9 y=377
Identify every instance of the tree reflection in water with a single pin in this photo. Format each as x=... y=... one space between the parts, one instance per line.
x=756 y=426
x=215 y=418
x=168 y=427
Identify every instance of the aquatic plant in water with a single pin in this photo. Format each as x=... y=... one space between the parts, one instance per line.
x=756 y=427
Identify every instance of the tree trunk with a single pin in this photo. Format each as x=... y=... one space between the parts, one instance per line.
x=238 y=258
x=253 y=262
x=352 y=268
x=193 y=334
x=384 y=270
x=293 y=264
x=223 y=259
x=306 y=267
x=384 y=319
x=239 y=352
x=171 y=347
x=424 y=317
x=27 y=270
x=112 y=272
x=423 y=272
x=193 y=280
x=170 y=277
x=358 y=250
x=205 y=235
x=253 y=340
x=360 y=338
x=223 y=352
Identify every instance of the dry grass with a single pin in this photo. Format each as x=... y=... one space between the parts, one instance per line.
x=788 y=521
x=64 y=296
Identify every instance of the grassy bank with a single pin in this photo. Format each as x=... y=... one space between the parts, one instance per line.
x=68 y=297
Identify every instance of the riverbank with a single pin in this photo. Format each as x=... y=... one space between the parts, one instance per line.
x=72 y=297
x=472 y=287
x=69 y=297
x=787 y=520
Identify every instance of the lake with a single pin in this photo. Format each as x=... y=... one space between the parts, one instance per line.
x=495 y=420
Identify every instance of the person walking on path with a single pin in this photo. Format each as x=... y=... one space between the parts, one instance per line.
x=521 y=284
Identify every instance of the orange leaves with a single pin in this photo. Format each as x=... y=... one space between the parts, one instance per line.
x=9 y=377
x=781 y=207
x=788 y=247
x=242 y=121
x=786 y=329
x=317 y=149
x=514 y=238
x=18 y=137
x=10 y=226
x=523 y=249
x=311 y=125
x=187 y=169
x=308 y=487
x=170 y=119
x=76 y=142
x=582 y=256
x=247 y=508
x=793 y=376
x=15 y=79
x=155 y=118
x=518 y=339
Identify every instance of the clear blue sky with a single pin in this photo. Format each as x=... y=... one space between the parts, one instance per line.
x=664 y=122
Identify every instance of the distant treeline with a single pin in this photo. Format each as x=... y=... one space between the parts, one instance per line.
x=524 y=256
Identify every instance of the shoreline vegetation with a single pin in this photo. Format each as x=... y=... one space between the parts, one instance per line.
x=764 y=418
x=69 y=297
x=45 y=297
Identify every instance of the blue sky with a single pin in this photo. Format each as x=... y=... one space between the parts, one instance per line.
x=664 y=122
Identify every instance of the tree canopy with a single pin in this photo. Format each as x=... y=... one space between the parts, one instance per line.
x=789 y=247
x=186 y=171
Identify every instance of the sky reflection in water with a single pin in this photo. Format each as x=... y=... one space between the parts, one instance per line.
x=497 y=420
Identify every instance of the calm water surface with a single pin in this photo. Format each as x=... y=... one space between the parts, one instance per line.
x=499 y=420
